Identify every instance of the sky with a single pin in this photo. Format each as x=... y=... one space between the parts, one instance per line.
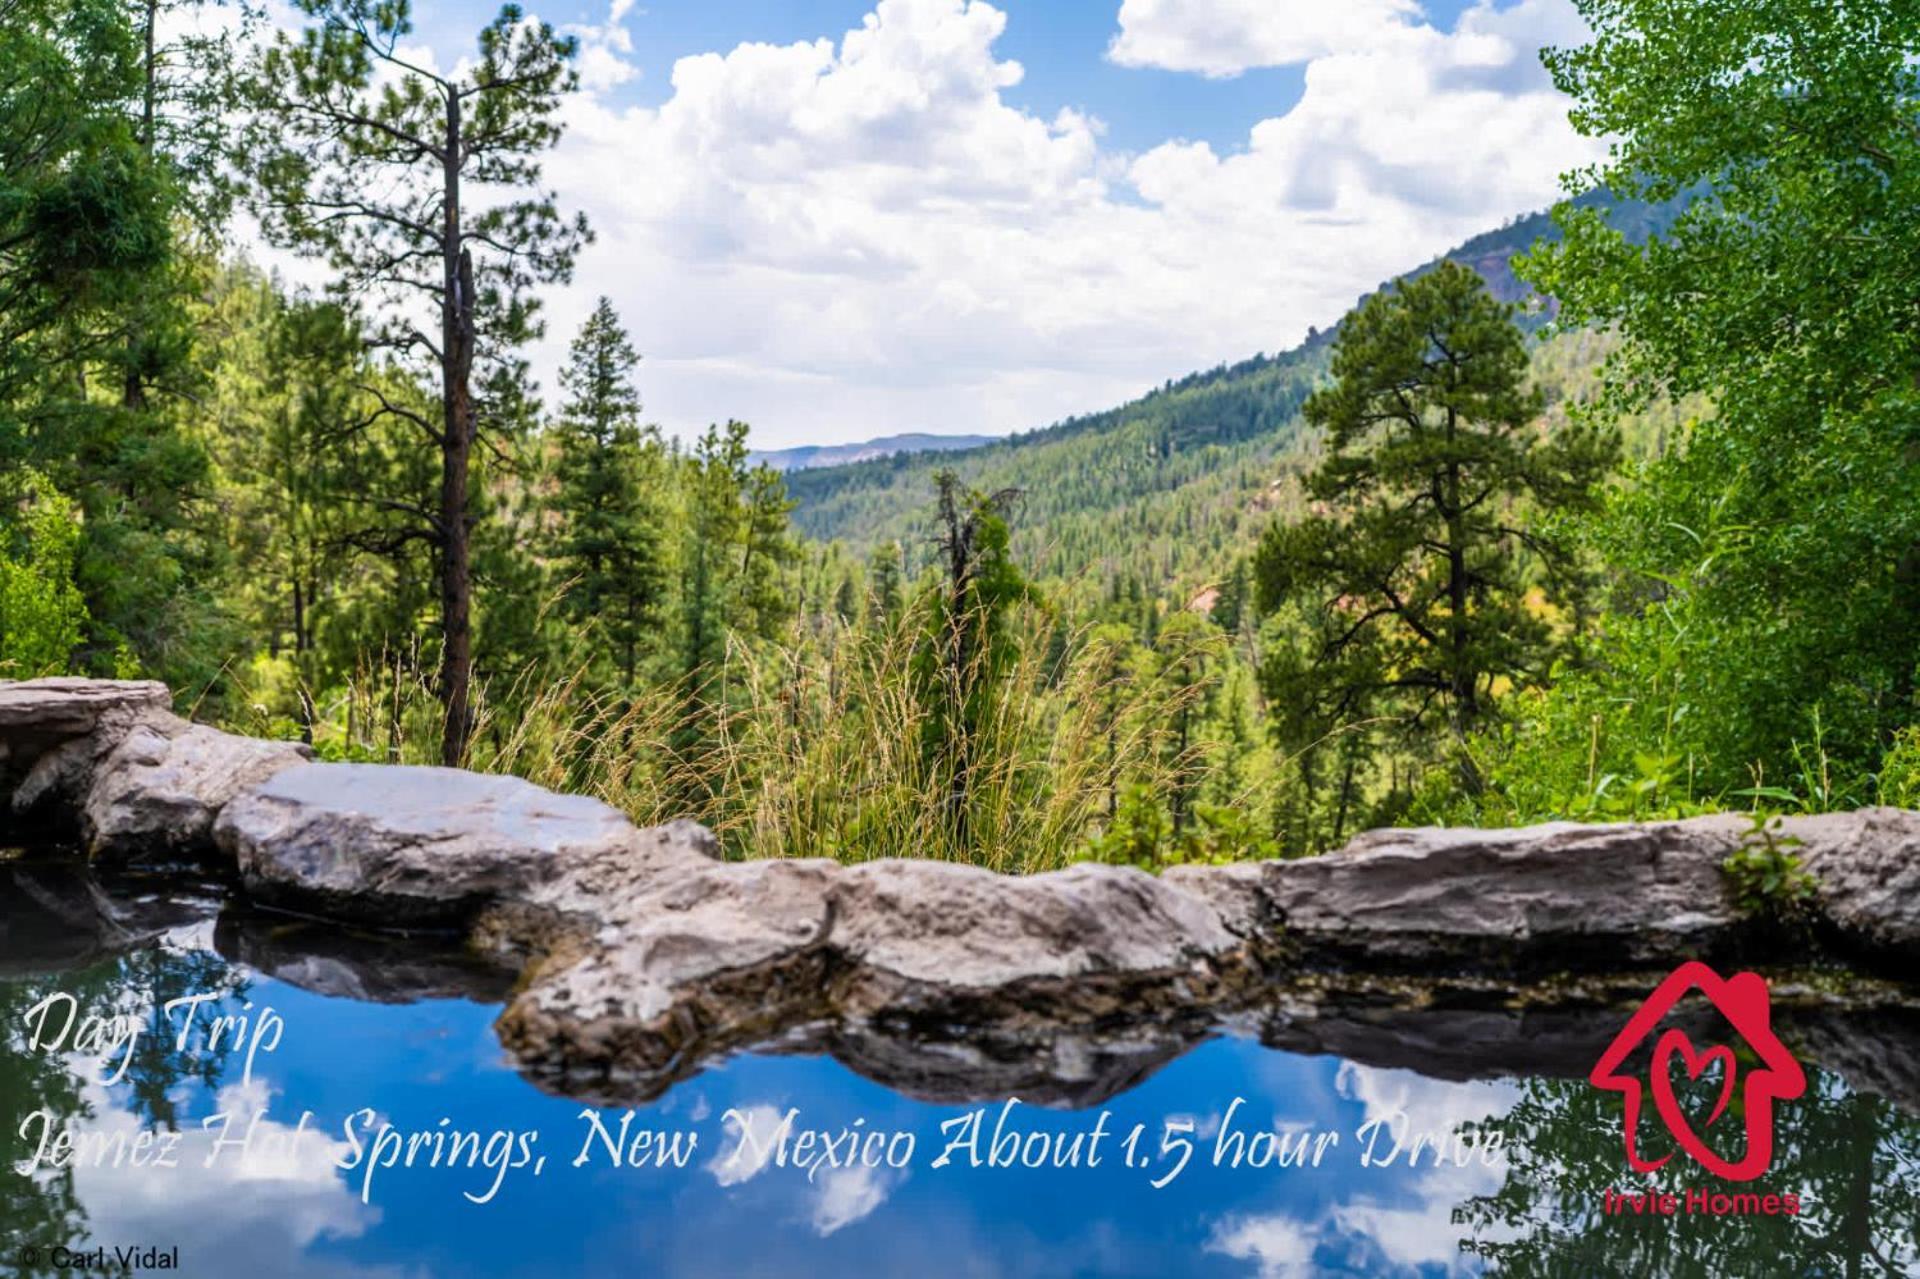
x=837 y=219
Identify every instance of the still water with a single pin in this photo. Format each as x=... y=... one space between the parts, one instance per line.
x=323 y=1091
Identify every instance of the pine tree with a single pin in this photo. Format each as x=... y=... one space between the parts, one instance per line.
x=1229 y=609
x=846 y=600
x=734 y=580
x=1187 y=652
x=293 y=513
x=376 y=164
x=608 y=528
x=88 y=249
x=886 y=595
x=1111 y=658
x=1416 y=568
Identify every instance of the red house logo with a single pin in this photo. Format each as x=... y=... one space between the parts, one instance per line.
x=1742 y=1000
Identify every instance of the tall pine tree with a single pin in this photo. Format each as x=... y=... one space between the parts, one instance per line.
x=609 y=538
x=410 y=184
x=1425 y=569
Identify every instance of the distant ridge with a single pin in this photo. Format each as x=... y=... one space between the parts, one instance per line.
x=1186 y=467
x=808 y=456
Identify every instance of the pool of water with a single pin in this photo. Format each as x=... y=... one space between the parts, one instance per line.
x=1233 y=1159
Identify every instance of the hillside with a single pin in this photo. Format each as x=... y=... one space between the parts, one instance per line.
x=1168 y=487
x=808 y=456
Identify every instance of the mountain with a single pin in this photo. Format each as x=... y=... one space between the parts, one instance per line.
x=808 y=456
x=1169 y=488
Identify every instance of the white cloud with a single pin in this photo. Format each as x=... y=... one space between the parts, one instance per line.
x=833 y=240
x=1414 y=1233
x=743 y=1160
x=605 y=50
x=847 y=1195
x=253 y=1211
x=1433 y=1105
x=1279 y=1246
x=1225 y=37
x=852 y=236
x=1421 y=1235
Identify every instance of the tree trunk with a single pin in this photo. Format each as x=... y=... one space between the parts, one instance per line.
x=1180 y=779
x=133 y=392
x=1346 y=791
x=300 y=664
x=1462 y=679
x=456 y=367
x=1113 y=761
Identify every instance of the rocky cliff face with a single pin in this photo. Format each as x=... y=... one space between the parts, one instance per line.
x=643 y=955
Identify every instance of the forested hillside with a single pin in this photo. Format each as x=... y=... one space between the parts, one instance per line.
x=1172 y=486
x=1464 y=555
x=807 y=456
x=1177 y=464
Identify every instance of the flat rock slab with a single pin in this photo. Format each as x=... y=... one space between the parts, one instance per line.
x=51 y=731
x=55 y=709
x=1564 y=895
x=407 y=846
x=647 y=985
x=928 y=972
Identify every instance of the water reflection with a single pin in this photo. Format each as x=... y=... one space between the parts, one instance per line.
x=1852 y=1159
x=406 y=1032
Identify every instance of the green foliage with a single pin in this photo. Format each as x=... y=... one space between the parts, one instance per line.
x=1141 y=834
x=966 y=650
x=362 y=158
x=1899 y=780
x=1784 y=536
x=606 y=523
x=1249 y=614
x=42 y=614
x=1766 y=874
x=1426 y=580
x=98 y=365
x=1166 y=485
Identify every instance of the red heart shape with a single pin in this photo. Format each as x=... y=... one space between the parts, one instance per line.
x=1675 y=1042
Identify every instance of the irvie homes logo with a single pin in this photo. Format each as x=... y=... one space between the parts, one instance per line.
x=1742 y=999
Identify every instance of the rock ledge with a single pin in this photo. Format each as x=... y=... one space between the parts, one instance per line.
x=643 y=955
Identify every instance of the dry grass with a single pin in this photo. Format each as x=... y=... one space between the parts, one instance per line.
x=811 y=749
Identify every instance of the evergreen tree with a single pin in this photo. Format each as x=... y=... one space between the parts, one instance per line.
x=1188 y=652
x=364 y=158
x=1112 y=658
x=734 y=581
x=87 y=247
x=292 y=526
x=1230 y=608
x=762 y=601
x=887 y=595
x=1428 y=536
x=42 y=614
x=609 y=540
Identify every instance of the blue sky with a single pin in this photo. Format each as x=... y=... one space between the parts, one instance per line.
x=1061 y=44
x=844 y=218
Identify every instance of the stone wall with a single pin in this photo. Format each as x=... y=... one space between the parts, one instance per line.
x=642 y=953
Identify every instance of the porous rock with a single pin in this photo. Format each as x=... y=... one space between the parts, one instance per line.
x=1561 y=895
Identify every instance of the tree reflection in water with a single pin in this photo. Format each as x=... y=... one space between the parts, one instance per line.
x=1853 y=1158
x=44 y=1207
